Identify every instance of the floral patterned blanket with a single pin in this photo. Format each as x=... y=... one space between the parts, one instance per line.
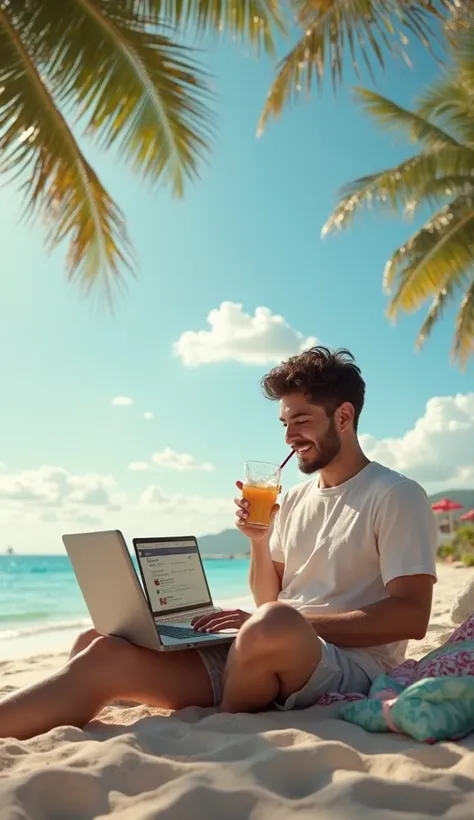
x=431 y=699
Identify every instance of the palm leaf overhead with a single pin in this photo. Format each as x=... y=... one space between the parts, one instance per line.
x=339 y=32
x=464 y=337
x=449 y=103
x=393 y=117
x=428 y=177
x=442 y=249
x=444 y=296
x=60 y=185
x=116 y=70
x=143 y=96
x=252 y=20
x=437 y=262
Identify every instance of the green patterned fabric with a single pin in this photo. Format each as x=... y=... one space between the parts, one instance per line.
x=430 y=710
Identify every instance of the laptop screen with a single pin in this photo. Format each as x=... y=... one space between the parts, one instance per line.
x=172 y=574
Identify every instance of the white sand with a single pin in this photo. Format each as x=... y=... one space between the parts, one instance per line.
x=138 y=764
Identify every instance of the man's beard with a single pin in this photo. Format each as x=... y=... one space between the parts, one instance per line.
x=327 y=448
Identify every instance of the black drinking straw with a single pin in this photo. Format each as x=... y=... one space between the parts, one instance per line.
x=287 y=459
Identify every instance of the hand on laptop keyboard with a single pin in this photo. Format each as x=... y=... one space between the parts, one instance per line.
x=219 y=621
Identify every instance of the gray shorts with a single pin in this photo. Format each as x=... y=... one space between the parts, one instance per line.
x=337 y=671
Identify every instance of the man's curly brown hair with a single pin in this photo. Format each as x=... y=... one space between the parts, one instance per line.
x=327 y=377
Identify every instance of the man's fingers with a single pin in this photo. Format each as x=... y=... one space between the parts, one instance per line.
x=231 y=623
x=241 y=502
x=239 y=485
x=203 y=620
x=215 y=624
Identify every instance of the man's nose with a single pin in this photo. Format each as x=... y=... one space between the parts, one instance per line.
x=290 y=436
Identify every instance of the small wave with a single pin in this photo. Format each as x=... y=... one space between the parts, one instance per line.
x=41 y=629
x=24 y=616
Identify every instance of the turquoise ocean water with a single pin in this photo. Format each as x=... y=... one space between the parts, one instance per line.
x=41 y=605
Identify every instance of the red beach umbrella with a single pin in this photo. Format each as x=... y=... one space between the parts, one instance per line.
x=446 y=505
x=468 y=516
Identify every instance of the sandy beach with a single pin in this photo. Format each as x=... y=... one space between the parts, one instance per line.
x=137 y=763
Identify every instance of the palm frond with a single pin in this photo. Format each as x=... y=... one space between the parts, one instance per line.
x=450 y=103
x=405 y=186
x=437 y=190
x=144 y=97
x=336 y=32
x=463 y=346
x=393 y=117
x=388 y=189
x=37 y=146
x=437 y=262
x=463 y=54
x=443 y=248
x=255 y=21
x=446 y=294
x=460 y=16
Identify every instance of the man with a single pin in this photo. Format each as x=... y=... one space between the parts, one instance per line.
x=344 y=580
x=347 y=575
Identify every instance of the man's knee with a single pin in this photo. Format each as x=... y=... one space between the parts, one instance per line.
x=271 y=628
x=83 y=640
x=104 y=655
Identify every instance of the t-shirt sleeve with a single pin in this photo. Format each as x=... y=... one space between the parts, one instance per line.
x=407 y=535
x=276 y=544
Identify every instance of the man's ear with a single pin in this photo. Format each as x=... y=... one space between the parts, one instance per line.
x=346 y=416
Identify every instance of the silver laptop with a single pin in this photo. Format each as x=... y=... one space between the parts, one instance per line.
x=157 y=616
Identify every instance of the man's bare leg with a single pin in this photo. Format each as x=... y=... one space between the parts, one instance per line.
x=105 y=670
x=83 y=640
x=274 y=655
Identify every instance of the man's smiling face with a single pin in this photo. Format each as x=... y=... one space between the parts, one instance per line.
x=310 y=432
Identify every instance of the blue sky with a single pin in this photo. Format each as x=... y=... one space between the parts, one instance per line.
x=248 y=233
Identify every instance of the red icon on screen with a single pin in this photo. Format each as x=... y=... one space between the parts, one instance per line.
x=156 y=582
x=163 y=601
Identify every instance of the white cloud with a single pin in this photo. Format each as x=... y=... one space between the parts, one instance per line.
x=155 y=498
x=38 y=505
x=138 y=466
x=54 y=487
x=122 y=401
x=185 y=513
x=93 y=490
x=43 y=486
x=261 y=339
x=74 y=516
x=438 y=451
x=148 y=415
x=180 y=461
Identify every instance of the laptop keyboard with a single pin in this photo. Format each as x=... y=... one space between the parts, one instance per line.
x=182 y=632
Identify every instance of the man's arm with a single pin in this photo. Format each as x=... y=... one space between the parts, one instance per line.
x=406 y=537
x=265 y=574
x=403 y=615
x=267 y=563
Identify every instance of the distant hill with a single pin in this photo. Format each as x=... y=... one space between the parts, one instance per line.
x=227 y=542
x=464 y=497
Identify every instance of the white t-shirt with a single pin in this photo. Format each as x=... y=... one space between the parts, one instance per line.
x=342 y=545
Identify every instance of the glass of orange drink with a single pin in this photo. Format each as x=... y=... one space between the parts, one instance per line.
x=260 y=488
